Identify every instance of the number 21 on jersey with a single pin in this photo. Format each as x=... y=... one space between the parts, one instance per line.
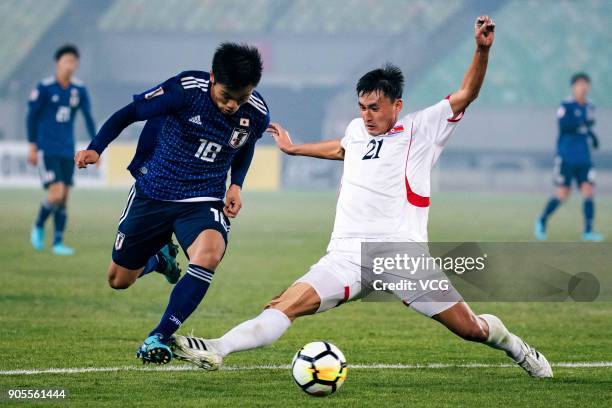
x=373 y=150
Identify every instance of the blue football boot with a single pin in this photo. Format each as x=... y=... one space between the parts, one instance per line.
x=592 y=236
x=540 y=230
x=153 y=350
x=37 y=238
x=62 y=250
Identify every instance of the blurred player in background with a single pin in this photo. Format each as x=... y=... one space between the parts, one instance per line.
x=384 y=197
x=50 y=127
x=573 y=159
x=200 y=125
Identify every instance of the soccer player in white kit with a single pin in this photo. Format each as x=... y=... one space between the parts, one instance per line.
x=384 y=197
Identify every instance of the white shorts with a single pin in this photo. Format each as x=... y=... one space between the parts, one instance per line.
x=337 y=278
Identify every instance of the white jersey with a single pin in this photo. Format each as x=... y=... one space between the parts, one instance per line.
x=384 y=193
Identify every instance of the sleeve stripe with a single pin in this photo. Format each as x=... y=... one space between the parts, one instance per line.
x=257 y=99
x=190 y=78
x=256 y=102
x=265 y=112
x=190 y=82
x=193 y=83
x=202 y=88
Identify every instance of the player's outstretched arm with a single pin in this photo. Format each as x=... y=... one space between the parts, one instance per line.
x=484 y=33
x=162 y=100
x=328 y=149
x=108 y=132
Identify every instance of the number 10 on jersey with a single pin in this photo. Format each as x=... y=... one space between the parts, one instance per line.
x=208 y=150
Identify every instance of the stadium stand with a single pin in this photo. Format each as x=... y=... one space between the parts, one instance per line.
x=532 y=65
x=255 y=16
x=188 y=16
x=24 y=22
x=365 y=16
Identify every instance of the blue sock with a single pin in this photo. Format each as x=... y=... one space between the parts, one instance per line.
x=550 y=208
x=588 y=209
x=155 y=263
x=60 y=218
x=46 y=208
x=184 y=299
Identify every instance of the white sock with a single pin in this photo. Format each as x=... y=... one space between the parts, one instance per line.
x=261 y=331
x=500 y=338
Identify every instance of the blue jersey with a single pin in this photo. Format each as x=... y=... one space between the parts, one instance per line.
x=576 y=122
x=187 y=146
x=51 y=113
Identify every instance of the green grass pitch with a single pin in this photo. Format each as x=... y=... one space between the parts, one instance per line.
x=60 y=313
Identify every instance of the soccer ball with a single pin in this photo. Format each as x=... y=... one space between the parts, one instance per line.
x=319 y=368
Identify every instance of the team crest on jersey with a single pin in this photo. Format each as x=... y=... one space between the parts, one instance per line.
x=119 y=240
x=239 y=137
x=396 y=129
x=74 y=97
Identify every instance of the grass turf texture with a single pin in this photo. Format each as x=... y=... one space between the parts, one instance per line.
x=59 y=312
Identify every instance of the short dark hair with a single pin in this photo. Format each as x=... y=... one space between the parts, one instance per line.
x=237 y=65
x=580 y=75
x=66 y=49
x=389 y=80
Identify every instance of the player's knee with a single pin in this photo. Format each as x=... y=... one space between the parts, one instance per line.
x=118 y=284
x=296 y=301
x=117 y=280
x=283 y=304
x=563 y=195
x=474 y=331
x=208 y=258
x=285 y=308
x=54 y=198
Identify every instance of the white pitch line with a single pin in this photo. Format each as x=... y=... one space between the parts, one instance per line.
x=82 y=370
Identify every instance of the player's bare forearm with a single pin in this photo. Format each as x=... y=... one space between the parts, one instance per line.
x=474 y=76
x=329 y=149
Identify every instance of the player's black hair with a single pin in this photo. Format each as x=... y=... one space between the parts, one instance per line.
x=580 y=75
x=389 y=80
x=66 y=49
x=237 y=65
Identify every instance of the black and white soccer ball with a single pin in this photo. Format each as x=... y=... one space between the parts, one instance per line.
x=319 y=368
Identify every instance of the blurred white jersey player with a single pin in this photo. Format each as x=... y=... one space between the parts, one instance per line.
x=384 y=196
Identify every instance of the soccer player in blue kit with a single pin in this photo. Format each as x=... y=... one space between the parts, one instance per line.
x=573 y=159
x=200 y=126
x=52 y=108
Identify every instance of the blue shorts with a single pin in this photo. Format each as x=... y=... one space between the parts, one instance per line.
x=565 y=172
x=146 y=225
x=55 y=169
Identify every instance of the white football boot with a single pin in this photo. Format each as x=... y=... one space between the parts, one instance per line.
x=534 y=362
x=197 y=351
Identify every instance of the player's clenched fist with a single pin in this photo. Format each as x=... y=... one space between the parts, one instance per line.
x=85 y=157
x=233 y=201
x=484 y=31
